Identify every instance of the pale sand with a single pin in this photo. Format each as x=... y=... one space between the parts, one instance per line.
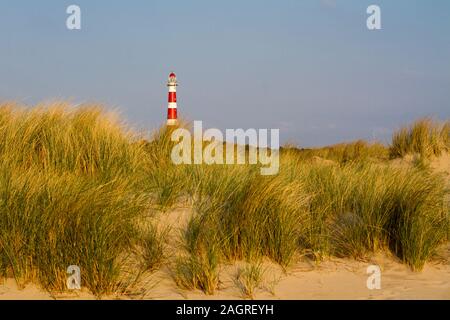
x=335 y=279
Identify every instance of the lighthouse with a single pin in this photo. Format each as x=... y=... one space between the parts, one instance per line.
x=172 y=119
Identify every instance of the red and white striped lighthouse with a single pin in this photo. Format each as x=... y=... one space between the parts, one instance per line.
x=172 y=118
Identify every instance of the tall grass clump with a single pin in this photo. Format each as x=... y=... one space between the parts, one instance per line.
x=166 y=181
x=249 y=278
x=343 y=153
x=424 y=137
x=329 y=193
x=198 y=271
x=71 y=188
x=421 y=217
x=151 y=246
x=361 y=208
x=246 y=215
x=85 y=140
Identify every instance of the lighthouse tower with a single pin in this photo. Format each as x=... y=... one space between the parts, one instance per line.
x=172 y=119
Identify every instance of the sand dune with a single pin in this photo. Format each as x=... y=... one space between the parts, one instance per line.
x=334 y=279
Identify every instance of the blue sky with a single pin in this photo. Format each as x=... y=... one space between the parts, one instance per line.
x=310 y=68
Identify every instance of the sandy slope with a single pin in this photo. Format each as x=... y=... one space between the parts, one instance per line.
x=336 y=279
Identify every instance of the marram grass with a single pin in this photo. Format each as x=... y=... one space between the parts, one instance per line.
x=76 y=186
x=425 y=137
x=71 y=187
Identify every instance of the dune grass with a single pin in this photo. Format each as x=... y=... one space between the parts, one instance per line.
x=246 y=215
x=71 y=188
x=151 y=246
x=76 y=186
x=199 y=270
x=360 y=209
x=343 y=153
x=425 y=137
x=249 y=278
x=350 y=210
